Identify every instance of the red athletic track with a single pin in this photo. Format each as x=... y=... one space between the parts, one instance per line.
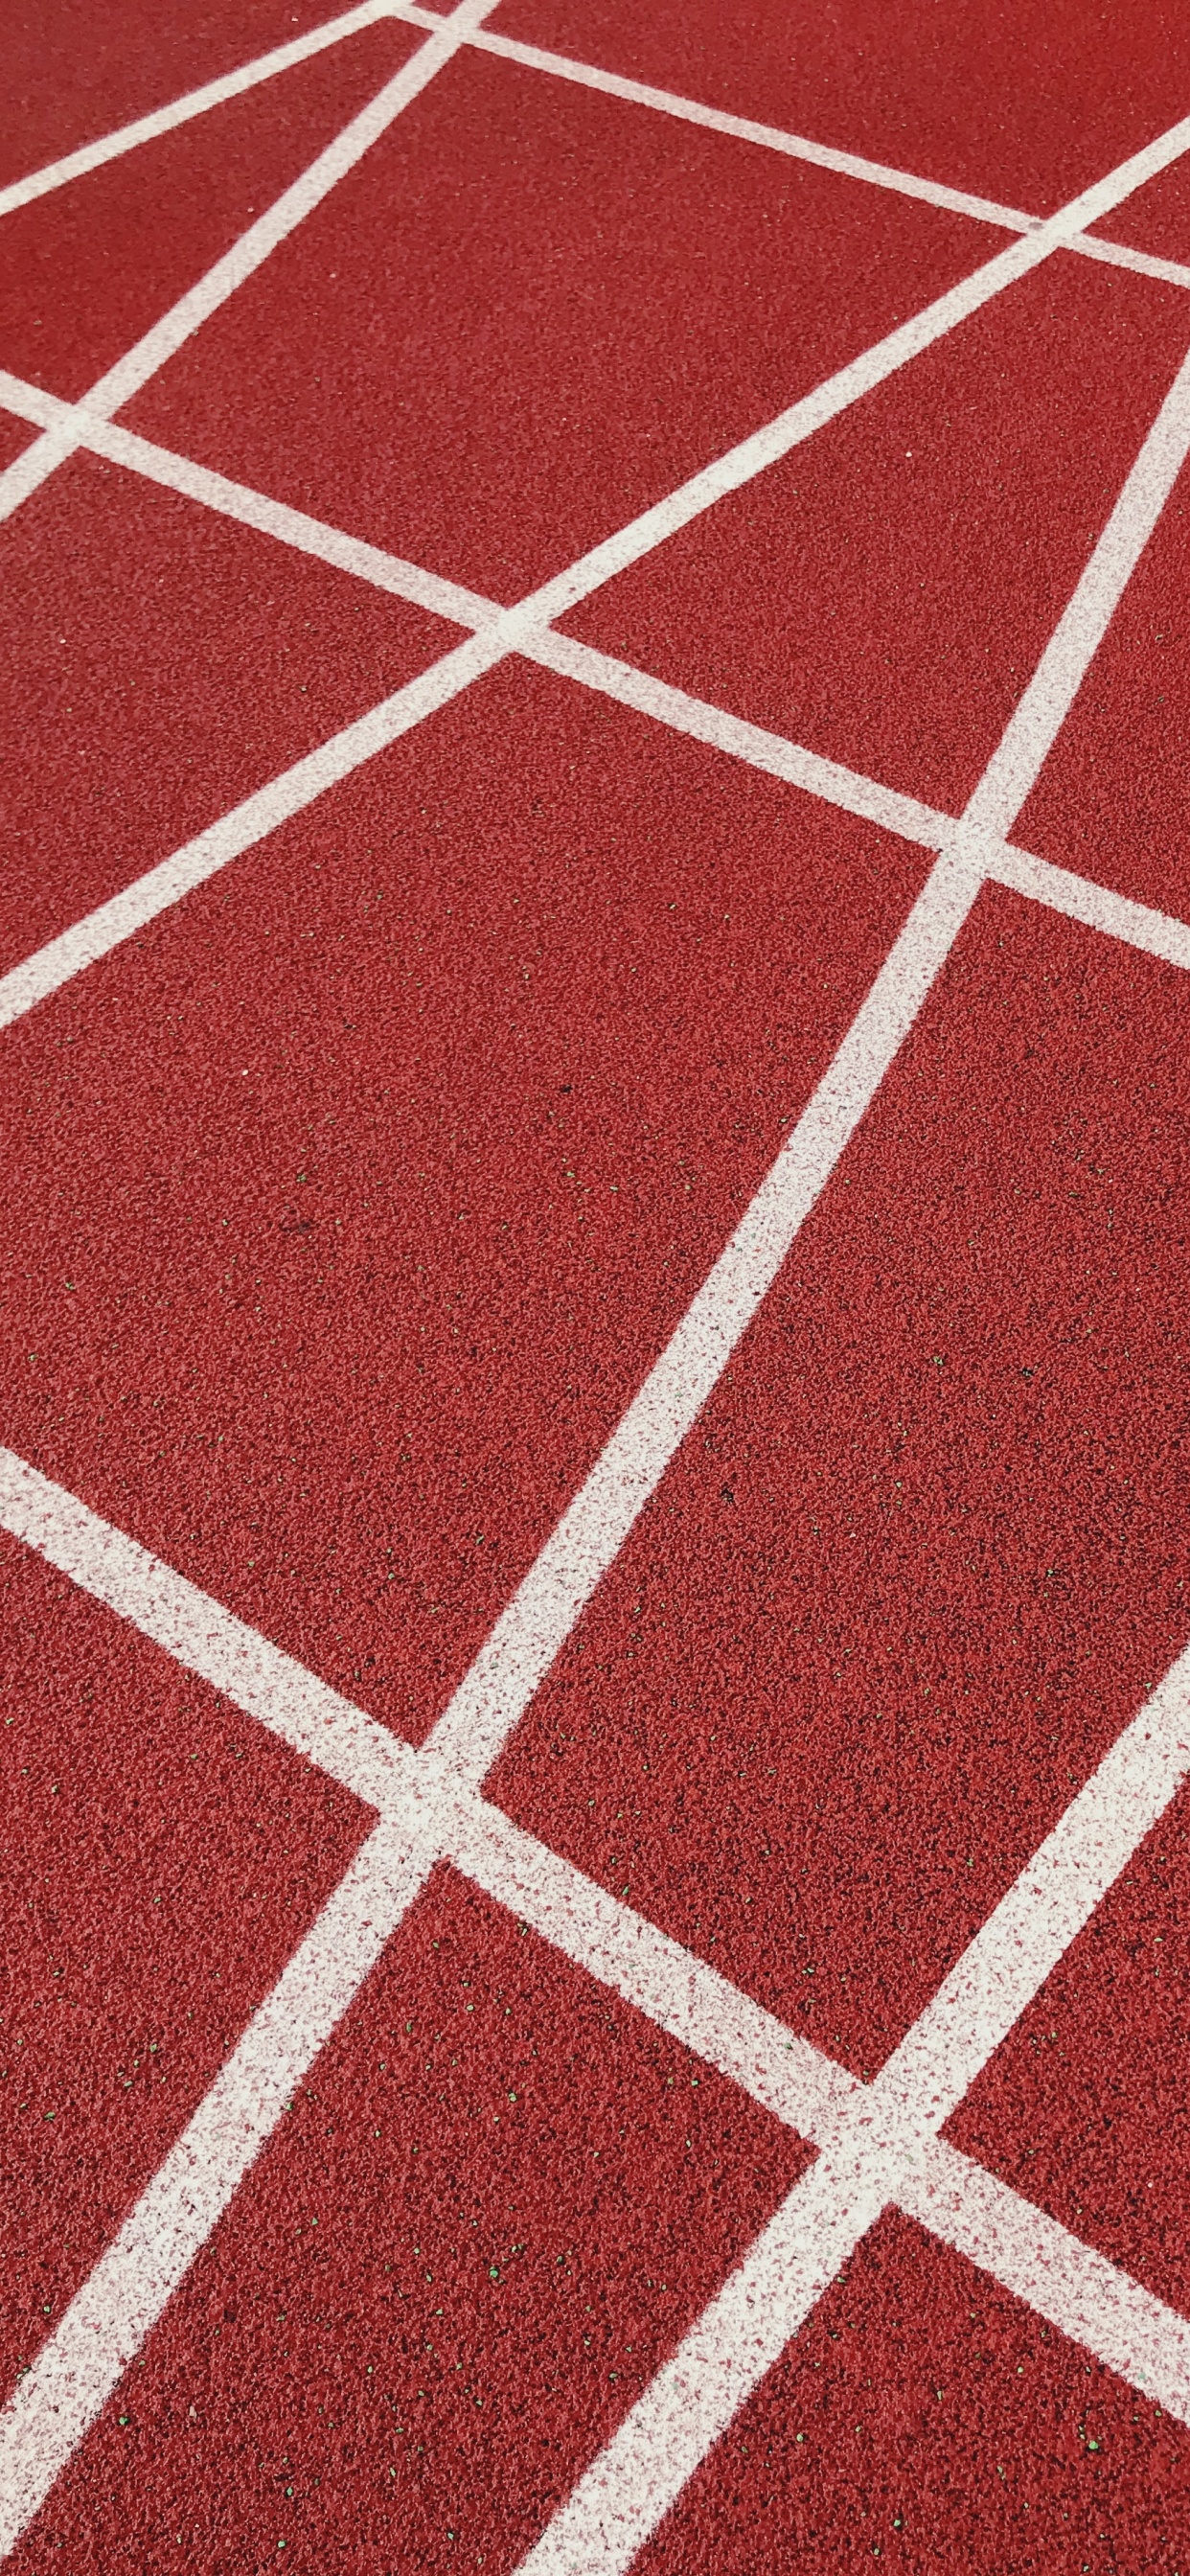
x=353 y=1190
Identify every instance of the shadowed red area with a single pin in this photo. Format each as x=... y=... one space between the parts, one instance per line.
x=885 y=592
x=91 y=267
x=493 y=374
x=1084 y=2106
x=1012 y=102
x=163 y=1857
x=1112 y=801
x=924 y=1552
x=499 y=2202
x=455 y=1089
x=925 y=2419
x=160 y=664
x=74 y=73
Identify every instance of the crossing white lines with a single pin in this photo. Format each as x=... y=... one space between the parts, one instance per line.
x=876 y=2144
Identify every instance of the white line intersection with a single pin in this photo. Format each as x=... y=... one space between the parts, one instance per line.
x=877 y=2143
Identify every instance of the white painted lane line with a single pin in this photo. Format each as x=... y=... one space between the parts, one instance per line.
x=529 y=1633
x=162 y=887
x=771 y=752
x=209 y=1640
x=251 y=509
x=161 y=120
x=1075 y=2289
x=254 y=246
x=1021 y=753
x=1159 y=934
x=53 y=965
x=74 y=2374
x=1002 y=1968
x=800 y=147
x=864 y=373
x=883 y=2150
x=643 y=2469
x=623 y=1950
x=691 y=2401
x=1116 y=915
x=40 y=2428
x=801 y=2245
x=1116 y=254
x=134 y=369
x=742 y=129
x=1091 y=2301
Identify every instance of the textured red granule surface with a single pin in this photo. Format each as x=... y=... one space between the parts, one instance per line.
x=923 y=2419
x=454 y=1090
x=924 y=1553
x=497 y=2205
x=1023 y=104
x=159 y=664
x=92 y=266
x=490 y=375
x=14 y=436
x=1084 y=2107
x=884 y=593
x=163 y=1857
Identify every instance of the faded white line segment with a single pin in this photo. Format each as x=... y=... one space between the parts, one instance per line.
x=254 y=246
x=162 y=120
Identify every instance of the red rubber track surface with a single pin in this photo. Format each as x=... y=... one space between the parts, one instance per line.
x=593 y=1309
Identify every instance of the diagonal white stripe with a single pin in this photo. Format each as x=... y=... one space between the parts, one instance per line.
x=247 y=254
x=38 y=2431
x=872 y=2147
x=161 y=120
x=873 y=2135
x=514 y=627
x=1098 y=907
x=744 y=129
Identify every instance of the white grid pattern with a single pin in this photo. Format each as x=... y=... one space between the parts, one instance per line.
x=878 y=2143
